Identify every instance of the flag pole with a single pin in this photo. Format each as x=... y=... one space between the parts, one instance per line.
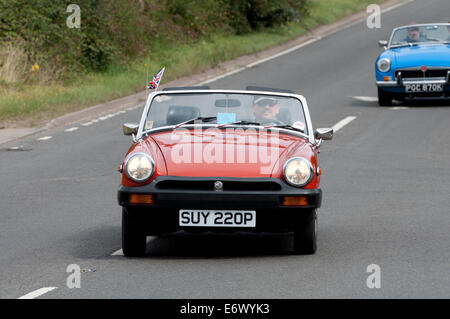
x=146 y=86
x=162 y=72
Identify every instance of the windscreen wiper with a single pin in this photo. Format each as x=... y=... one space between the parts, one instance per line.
x=286 y=126
x=404 y=44
x=239 y=123
x=197 y=119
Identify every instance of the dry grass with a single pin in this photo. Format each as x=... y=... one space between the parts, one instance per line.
x=17 y=69
x=14 y=64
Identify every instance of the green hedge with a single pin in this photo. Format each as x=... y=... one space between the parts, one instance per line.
x=119 y=31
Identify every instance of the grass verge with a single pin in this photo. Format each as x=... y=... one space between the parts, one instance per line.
x=31 y=104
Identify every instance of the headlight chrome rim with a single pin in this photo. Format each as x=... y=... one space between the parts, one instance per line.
x=388 y=63
x=311 y=171
x=131 y=157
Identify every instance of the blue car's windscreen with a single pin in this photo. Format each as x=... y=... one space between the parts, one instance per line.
x=438 y=33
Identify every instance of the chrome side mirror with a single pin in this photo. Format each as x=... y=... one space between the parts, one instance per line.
x=130 y=128
x=324 y=134
x=382 y=44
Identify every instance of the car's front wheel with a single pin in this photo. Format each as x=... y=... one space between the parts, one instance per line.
x=134 y=239
x=384 y=98
x=305 y=235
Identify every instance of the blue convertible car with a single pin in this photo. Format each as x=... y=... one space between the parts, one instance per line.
x=415 y=63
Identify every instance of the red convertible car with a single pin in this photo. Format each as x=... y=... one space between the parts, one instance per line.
x=221 y=161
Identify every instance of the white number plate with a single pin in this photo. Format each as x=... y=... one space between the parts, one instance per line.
x=429 y=87
x=217 y=218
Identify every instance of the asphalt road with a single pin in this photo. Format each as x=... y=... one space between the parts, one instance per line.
x=385 y=182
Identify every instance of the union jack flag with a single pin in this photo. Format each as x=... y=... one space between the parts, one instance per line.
x=156 y=79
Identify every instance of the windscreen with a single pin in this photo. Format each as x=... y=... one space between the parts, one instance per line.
x=421 y=34
x=225 y=108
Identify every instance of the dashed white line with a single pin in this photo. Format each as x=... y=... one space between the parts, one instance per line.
x=120 y=251
x=37 y=293
x=72 y=129
x=117 y=253
x=44 y=138
x=336 y=127
x=284 y=52
x=366 y=98
x=260 y=61
x=87 y=123
x=398 y=108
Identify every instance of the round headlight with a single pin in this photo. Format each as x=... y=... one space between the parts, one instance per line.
x=298 y=171
x=139 y=167
x=384 y=65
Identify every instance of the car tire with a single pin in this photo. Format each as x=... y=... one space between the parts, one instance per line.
x=134 y=239
x=305 y=236
x=384 y=98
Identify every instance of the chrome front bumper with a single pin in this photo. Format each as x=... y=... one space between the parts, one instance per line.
x=402 y=82
x=399 y=81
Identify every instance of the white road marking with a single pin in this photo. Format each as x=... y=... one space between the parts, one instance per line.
x=44 y=138
x=14 y=148
x=120 y=251
x=102 y=118
x=72 y=129
x=87 y=124
x=135 y=107
x=366 y=98
x=260 y=61
x=336 y=127
x=117 y=253
x=222 y=76
x=284 y=52
x=398 y=108
x=395 y=6
x=37 y=293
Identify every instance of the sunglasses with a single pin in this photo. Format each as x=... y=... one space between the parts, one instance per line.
x=265 y=102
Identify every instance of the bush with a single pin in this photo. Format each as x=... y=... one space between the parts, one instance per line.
x=251 y=15
x=119 y=31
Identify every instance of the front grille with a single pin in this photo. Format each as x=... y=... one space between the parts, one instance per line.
x=208 y=185
x=433 y=73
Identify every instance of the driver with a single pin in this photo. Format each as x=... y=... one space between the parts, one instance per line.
x=265 y=109
x=413 y=35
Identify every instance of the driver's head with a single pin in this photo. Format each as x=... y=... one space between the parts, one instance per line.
x=265 y=108
x=413 y=33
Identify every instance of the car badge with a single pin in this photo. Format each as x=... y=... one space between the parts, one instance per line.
x=218 y=186
x=423 y=68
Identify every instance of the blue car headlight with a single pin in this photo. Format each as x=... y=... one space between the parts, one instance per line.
x=384 y=65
